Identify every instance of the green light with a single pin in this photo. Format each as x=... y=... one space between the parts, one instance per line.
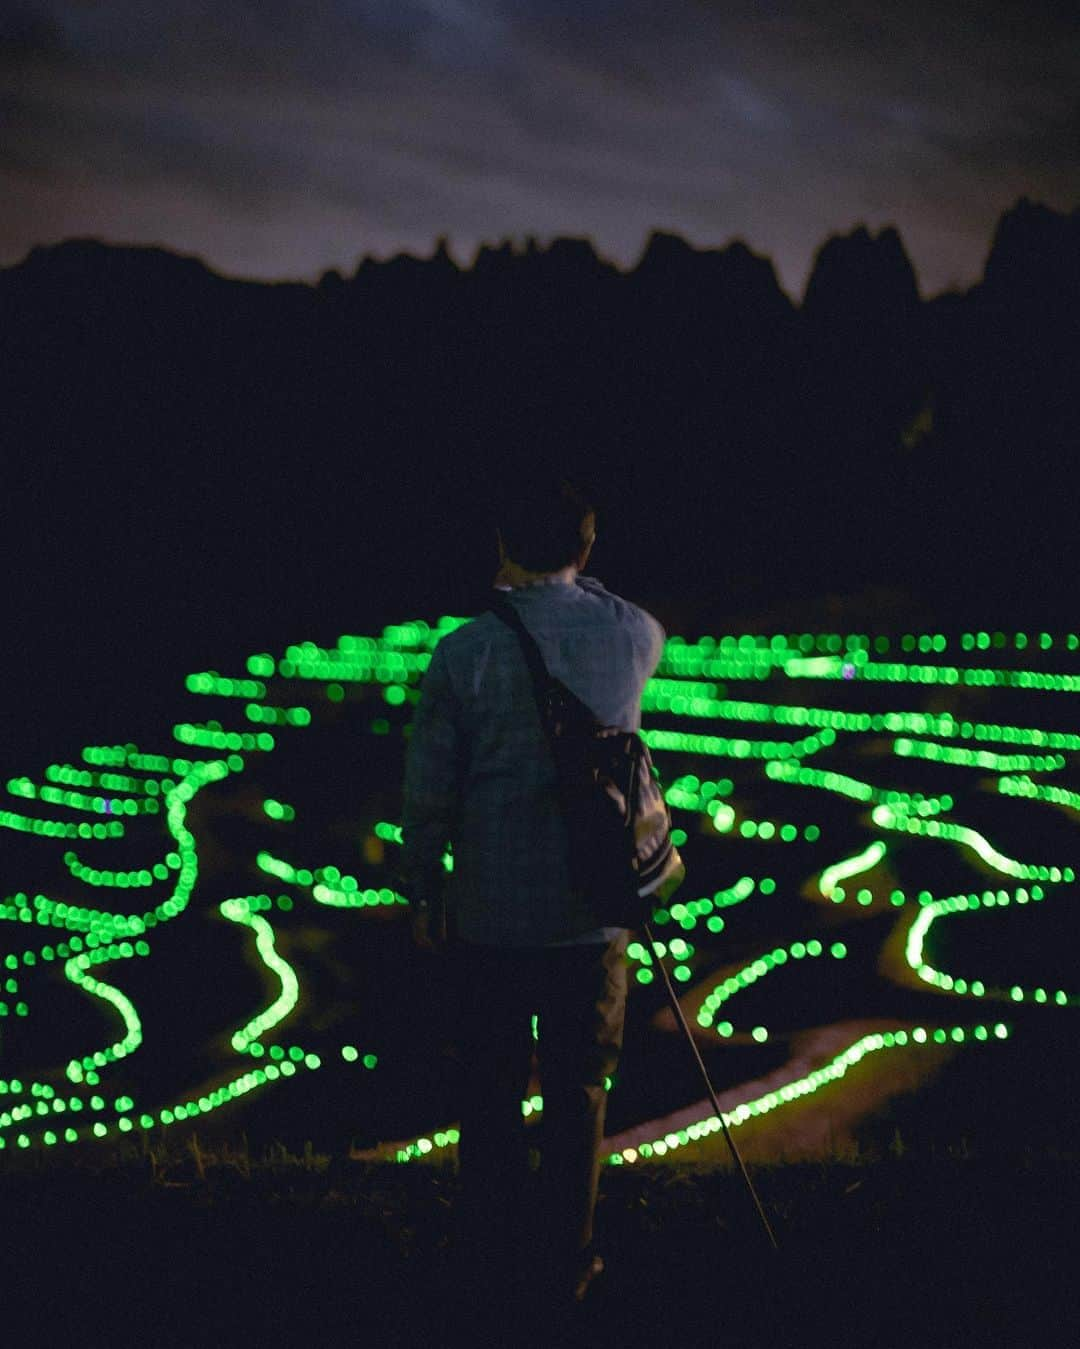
x=102 y=911
x=723 y=817
x=852 y=866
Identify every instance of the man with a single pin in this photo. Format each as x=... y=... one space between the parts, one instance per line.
x=479 y=774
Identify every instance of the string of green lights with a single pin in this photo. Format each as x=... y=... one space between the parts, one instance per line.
x=707 y=1124
x=894 y=817
x=148 y=791
x=851 y=866
x=976 y=988
x=755 y=970
x=245 y=910
x=1038 y=791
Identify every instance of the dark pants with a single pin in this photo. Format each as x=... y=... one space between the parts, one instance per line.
x=578 y=994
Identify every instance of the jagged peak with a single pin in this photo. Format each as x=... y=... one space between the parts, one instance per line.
x=441 y=256
x=1034 y=248
x=574 y=254
x=488 y=253
x=573 y=246
x=565 y=253
x=330 y=280
x=662 y=246
x=672 y=265
x=399 y=263
x=858 y=271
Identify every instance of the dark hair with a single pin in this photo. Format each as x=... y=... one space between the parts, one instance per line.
x=543 y=519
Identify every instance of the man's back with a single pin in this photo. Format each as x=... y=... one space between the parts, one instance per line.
x=510 y=884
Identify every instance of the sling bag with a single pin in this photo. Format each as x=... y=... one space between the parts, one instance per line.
x=622 y=858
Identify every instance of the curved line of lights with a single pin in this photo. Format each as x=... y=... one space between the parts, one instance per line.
x=129 y=792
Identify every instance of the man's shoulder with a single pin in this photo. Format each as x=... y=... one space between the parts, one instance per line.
x=471 y=634
x=625 y=610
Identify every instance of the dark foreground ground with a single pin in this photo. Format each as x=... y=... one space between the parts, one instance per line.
x=904 y=1248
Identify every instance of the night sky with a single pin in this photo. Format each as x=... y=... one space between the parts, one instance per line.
x=277 y=140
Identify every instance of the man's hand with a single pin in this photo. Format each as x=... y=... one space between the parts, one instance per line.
x=428 y=924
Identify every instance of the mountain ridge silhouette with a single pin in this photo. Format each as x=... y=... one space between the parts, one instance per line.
x=206 y=461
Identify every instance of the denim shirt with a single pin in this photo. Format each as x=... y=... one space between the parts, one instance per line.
x=479 y=772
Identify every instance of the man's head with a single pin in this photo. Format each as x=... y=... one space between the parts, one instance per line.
x=544 y=524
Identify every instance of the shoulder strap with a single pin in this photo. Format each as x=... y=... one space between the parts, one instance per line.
x=543 y=681
x=541 y=676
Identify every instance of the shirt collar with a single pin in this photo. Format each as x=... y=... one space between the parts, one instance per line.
x=557 y=578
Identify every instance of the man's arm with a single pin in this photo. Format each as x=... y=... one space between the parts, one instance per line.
x=431 y=787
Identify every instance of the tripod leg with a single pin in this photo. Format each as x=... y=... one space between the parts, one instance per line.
x=712 y=1094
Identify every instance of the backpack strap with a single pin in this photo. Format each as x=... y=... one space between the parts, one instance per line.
x=541 y=676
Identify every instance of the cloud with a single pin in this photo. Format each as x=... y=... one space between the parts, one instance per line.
x=1040 y=135
x=487 y=118
x=130 y=142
